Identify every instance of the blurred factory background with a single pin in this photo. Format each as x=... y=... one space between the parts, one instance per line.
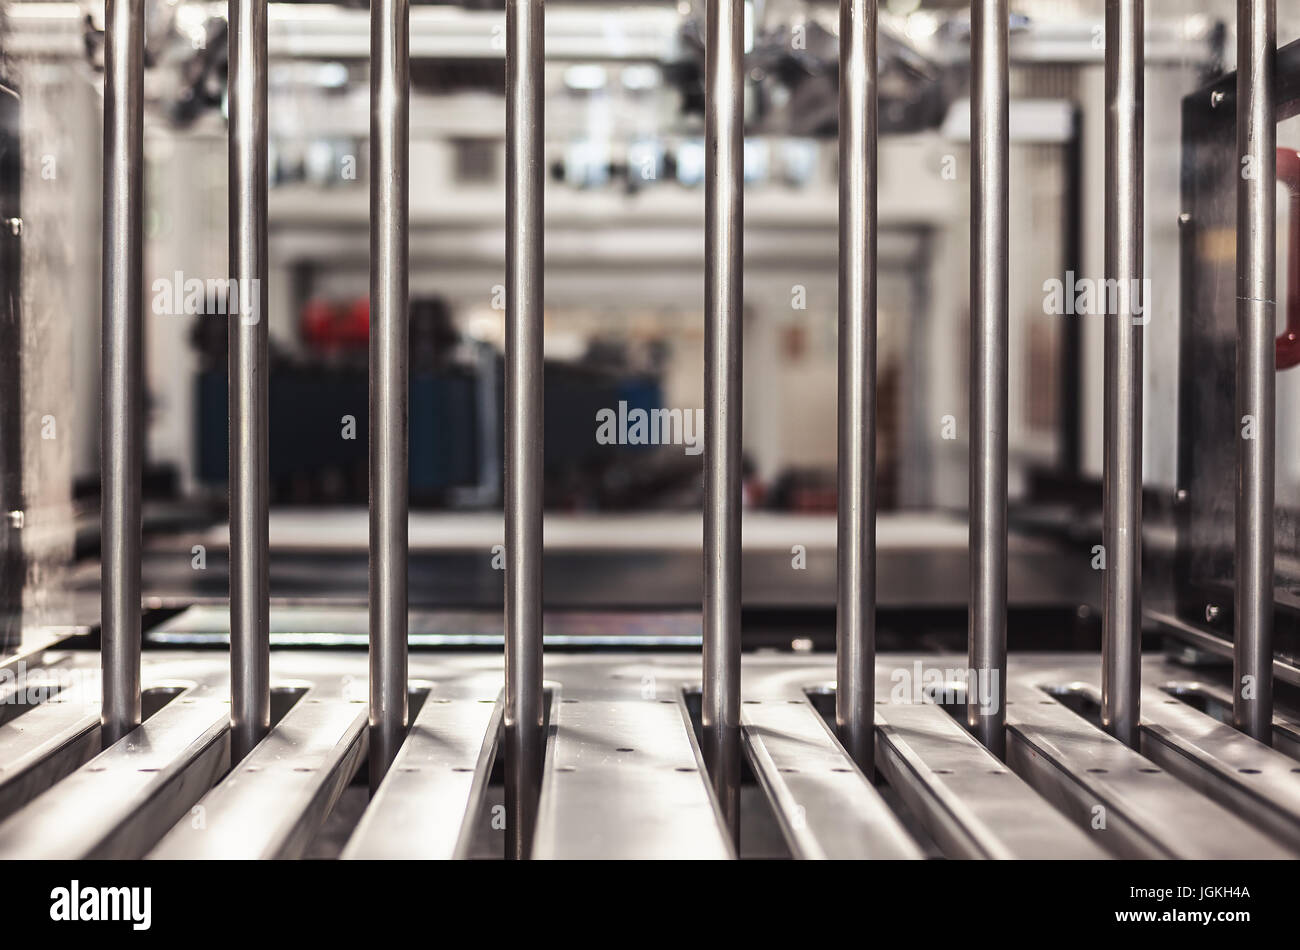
x=624 y=299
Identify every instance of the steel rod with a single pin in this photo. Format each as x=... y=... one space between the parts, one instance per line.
x=390 y=84
x=250 y=675
x=723 y=217
x=856 y=545
x=122 y=368
x=988 y=374
x=1121 y=680
x=1252 y=706
x=523 y=421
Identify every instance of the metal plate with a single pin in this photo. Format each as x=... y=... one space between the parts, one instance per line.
x=1132 y=806
x=638 y=805
x=274 y=800
x=825 y=806
x=625 y=780
x=427 y=801
x=123 y=800
x=43 y=745
x=1247 y=777
x=972 y=804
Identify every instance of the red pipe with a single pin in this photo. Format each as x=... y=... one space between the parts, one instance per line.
x=1288 y=343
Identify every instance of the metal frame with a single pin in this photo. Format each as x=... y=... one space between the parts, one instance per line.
x=944 y=790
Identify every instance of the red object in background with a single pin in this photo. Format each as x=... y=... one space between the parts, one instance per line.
x=355 y=330
x=327 y=326
x=1288 y=343
x=317 y=323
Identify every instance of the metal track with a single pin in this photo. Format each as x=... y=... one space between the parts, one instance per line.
x=623 y=775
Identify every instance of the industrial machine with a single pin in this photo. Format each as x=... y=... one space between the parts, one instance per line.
x=724 y=429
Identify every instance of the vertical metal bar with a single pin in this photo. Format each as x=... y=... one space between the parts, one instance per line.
x=988 y=373
x=1121 y=673
x=524 y=420
x=390 y=87
x=120 y=448
x=250 y=674
x=1252 y=706
x=723 y=217
x=856 y=547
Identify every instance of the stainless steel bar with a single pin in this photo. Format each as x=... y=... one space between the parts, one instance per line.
x=524 y=420
x=988 y=369
x=826 y=808
x=855 y=647
x=1145 y=812
x=250 y=645
x=624 y=781
x=42 y=746
x=122 y=369
x=272 y=804
x=1122 y=468
x=429 y=801
x=723 y=223
x=1252 y=705
x=390 y=89
x=123 y=800
x=1252 y=781
x=971 y=804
